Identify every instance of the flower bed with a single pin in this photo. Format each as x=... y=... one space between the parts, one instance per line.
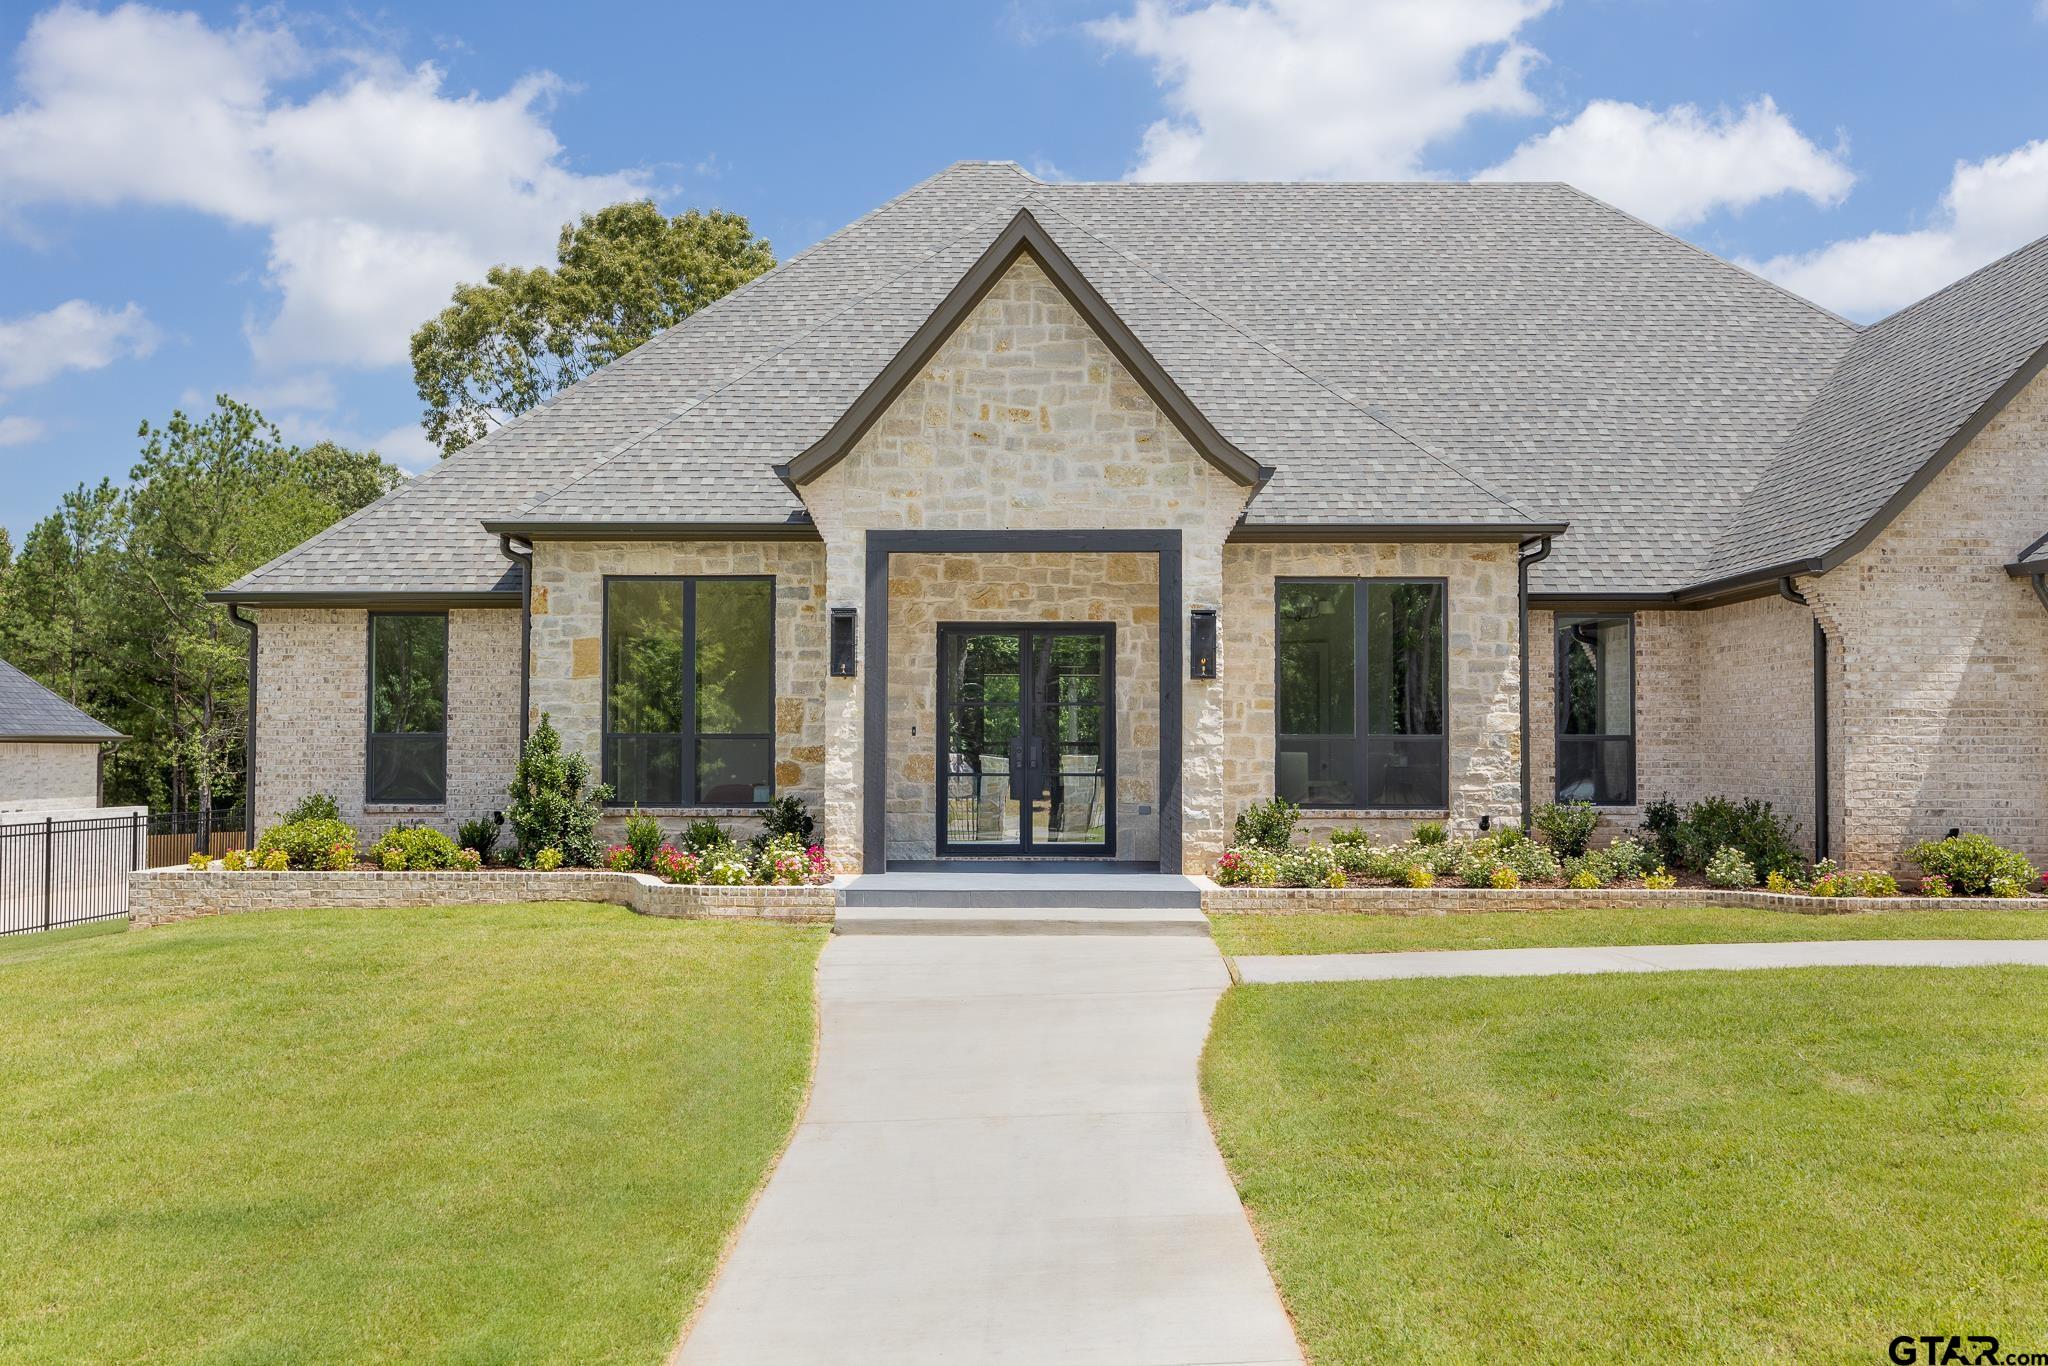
x=1455 y=900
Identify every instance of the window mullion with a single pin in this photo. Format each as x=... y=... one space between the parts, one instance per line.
x=1361 y=691
x=688 y=654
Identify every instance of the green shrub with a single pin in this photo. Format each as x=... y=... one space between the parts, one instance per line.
x=1585 y=872
x=199 y=862
x=1661 y=819
x=787 y=816
x=1583 y=880
x=1971 y=863
x=781 y=861
x=1657 y=880
x=1934 y=884
x=1530 y=861
x=1504 y=879
x=415 y=848
x=1233 y=869
x=1775 y=881
x=1729 y=868
x=314 y=806
x=308 y=843
x=554 y=805
x=1430 y=832
x=1568 y=826
x=1268 y=824
x=2007 y=887
x=705 y=837
x=548 y=859
x=1443 y=858
x=1832 y=885
x=1626 y=859
x=1306 y=865
x=480 y=834
x=727 y=869
x=1479 y=871
x=1764 y=838
x=1507 y=836
x=643 y=840
x=1350 y=834
x=274 y=861
x=1419 y=876
x=1877 y=884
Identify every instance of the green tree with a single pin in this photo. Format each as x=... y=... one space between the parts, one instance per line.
x=623 y=275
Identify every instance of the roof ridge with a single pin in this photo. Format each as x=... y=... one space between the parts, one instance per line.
x=1372 y=411
x=750 y=367
x=1697 y=250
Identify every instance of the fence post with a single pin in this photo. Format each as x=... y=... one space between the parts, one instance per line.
x=49 y=864
x=137 y=840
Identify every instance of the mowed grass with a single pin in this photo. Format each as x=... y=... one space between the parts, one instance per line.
x=1258 y=934
x=513 y=1133
x=1782 y=1165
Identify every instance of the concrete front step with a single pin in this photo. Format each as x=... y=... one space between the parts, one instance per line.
x=979 y=891
x=1021 y=920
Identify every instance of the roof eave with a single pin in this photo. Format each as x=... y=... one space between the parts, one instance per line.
x=111 y=737
x=364 y=597
x=1268 y=533
x=792 y=530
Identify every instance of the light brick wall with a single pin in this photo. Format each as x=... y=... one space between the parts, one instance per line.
x=568 y=649
x=1483 y=700
x=1024 y=419
x=43 y=776
x=1944 y=657
x=312 y=681
x=925 y=590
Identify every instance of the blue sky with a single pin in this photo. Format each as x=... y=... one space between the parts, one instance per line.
x=266 y=202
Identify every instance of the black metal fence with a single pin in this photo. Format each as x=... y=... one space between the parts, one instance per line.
x=65 y=872
x=174 y=835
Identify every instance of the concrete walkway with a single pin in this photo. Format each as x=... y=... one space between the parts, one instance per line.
x=1004 y=1159
x=1888 y=953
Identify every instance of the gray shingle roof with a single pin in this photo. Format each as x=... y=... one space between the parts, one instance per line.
x=1905 y=395
x=30 y=711
x=1397 y=352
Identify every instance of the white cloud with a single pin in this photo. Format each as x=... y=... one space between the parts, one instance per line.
x=1676 y=166
x=1989 y=208
x=379 y=190
x=19 y=431
x=75 y=335
x=1320 y=89
x=407 y=447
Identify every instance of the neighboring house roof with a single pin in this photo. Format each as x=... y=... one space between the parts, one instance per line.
x=1911 y=392
x=1478 y=355
x=30 y=711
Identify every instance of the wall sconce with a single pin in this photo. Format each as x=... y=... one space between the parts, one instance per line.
x=1202 y=643
x=845 y=650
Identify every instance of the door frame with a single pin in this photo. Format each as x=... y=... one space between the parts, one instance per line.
x=1026 y=632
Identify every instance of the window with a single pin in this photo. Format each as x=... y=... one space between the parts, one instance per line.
x=408 y=741
x=689 y=711
x=1360 y=693
x=1596 y=683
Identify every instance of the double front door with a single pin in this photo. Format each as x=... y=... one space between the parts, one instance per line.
x=1026 y=740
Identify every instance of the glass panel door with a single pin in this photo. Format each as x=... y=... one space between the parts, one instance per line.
x=1026 y=741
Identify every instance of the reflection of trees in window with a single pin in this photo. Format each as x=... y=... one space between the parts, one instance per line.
x=407 y=749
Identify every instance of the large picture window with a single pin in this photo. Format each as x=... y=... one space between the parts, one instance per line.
x=689 y=711
x=408 y=740
x=1360 y=693
x=1596 y=703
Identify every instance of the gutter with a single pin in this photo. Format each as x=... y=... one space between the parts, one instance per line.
x=1524 y=561
x=1821 y=795
x=524 y=560
x=249 y=737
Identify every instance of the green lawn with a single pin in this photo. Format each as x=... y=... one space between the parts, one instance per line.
x=509 y=1133
x=1251 y=934
x=1730 y=1166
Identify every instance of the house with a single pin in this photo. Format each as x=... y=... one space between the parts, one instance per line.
x=50 y=751
x=1054 y=519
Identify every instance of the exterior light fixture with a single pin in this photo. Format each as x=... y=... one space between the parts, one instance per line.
x=1202 y=643
x=845 y=651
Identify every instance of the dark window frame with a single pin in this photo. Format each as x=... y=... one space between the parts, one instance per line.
x=1361 y=683
x=371 y=735
x=1559 y=739
x=689 y=737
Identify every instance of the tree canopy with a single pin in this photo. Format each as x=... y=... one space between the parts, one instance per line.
x=105 y=603
x=623 y=274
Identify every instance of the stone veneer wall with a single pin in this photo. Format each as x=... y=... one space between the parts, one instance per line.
x=164 y=896
x=568 y=649
x=36 y=775
x=1483 y=701
x=1944 y=657
x=313 y=679
x=1024 y=419
x=925 y=590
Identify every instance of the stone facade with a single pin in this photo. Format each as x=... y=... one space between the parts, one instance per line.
x=1024 y=419
x=1483 y=698
x=568 y=649
x=40 y=776
x=164 y=896
x=313 y=678
x=1024 y=588
x=1943 y=663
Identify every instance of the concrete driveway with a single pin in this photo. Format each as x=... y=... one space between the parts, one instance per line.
x=1004 y=1159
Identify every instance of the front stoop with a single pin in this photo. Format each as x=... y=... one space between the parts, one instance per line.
x=1021 y=904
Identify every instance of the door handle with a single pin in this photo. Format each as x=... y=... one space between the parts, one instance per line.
x=1016 y=768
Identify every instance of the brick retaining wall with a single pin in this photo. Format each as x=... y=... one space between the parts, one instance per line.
x=1465 y=900
x=163 y=896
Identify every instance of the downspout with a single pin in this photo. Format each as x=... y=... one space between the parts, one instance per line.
x=524 y=559
x=1789 y=593
x=1524 y=561
x=249 y=737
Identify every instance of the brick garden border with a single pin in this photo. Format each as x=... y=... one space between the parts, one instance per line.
x=163 y=896
x=1466 y=900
